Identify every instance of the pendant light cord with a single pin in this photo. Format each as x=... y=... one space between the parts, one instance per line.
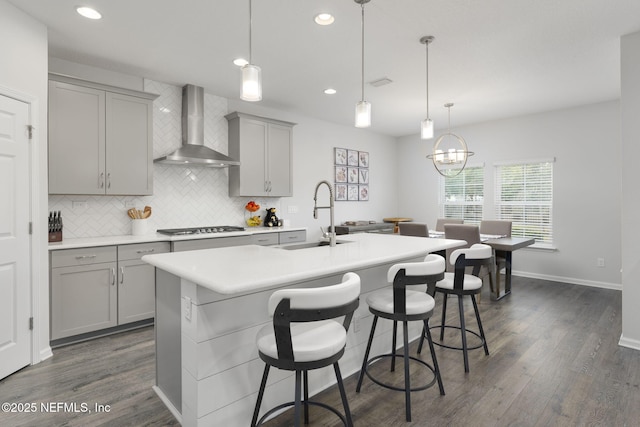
x=250 y=25
x=427 y=62
x=362 y=80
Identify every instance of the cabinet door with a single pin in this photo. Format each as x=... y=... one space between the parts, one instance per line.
x=279 y=160
x=129 y=145
x=253 y=151
x=83 y=299
x=76 y=139
x=136 y=291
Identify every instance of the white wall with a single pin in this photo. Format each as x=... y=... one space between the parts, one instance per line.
x=587 y=193
x=23 y=44
x=630 y=110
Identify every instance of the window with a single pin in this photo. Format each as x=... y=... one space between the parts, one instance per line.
x=462 y=196
x=524 y=195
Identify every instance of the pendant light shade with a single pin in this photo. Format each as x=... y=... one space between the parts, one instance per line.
x=426 y=127
x=251 y=83
x=251 y=89
x=363 y=114
x=363 y=108
x=450 y=152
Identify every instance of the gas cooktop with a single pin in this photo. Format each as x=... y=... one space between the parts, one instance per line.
x=200 y=230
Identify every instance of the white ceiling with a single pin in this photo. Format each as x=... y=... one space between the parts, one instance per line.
x=491 y=58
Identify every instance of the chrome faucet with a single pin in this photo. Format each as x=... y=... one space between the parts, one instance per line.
x=332 y=229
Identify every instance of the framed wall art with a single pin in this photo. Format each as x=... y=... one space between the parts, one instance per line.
x=351 y=174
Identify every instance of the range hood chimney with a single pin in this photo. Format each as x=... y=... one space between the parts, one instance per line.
x=193 y=151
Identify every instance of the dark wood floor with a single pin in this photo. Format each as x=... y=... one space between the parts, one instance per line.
x=554 y=361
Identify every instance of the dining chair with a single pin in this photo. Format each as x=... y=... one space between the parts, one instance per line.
x=305 y=335
x=414 y=229
x=441 y=222
x=497 y=228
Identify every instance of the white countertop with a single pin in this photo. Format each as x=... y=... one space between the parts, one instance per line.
x=87 y=242
x=240 y=269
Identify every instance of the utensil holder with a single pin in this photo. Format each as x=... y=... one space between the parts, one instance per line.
x=139 y=227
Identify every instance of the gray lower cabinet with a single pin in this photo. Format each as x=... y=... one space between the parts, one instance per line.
x=101 y=287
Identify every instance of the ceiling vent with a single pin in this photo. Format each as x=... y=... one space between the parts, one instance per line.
x=381 y=82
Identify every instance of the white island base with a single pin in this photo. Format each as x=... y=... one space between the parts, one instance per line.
x=212 y=303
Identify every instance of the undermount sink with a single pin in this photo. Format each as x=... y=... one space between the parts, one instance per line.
x=307 y=245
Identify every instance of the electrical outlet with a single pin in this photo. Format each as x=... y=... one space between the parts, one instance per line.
x=187 y=308
x=292 y=209
x=600 y=262
x=78 y=205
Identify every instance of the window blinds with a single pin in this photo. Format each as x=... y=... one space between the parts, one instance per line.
x=462 y=196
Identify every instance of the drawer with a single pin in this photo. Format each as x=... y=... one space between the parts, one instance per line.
x=138 y=250
x=292 y=236
x=83 y=256
x=265 y=239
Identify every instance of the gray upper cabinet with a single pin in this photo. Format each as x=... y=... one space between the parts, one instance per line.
x=264 y=148
x=100 y=139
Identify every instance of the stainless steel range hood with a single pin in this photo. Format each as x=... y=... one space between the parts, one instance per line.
x=193 y=151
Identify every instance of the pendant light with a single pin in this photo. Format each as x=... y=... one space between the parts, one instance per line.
x=450 y=152
x=363 y=108
x=251 y=89
x=426 y=127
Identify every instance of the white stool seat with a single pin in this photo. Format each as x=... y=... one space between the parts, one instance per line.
x=417 y=302
x=310 y=341
x=470 y=283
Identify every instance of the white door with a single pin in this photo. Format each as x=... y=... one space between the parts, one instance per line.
x=15 y=280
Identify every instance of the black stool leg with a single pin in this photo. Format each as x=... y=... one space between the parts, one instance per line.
x=263 y=384
x=393 y=346
x=297 y=400
x=306 y=397
x=463 y=332
x=444 y=315
x=407 y=379
x=484 y=340
x=343 y=395
x=366 y=354
x=433 y=357
x=424 y=332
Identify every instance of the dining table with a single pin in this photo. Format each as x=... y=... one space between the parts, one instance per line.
x=504 y=247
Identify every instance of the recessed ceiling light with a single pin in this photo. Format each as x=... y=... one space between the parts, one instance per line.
x=324 y=19
x=88 y=12
x=330 y=91
x=240 y=62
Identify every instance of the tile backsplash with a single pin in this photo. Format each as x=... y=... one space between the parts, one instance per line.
x=183 y=196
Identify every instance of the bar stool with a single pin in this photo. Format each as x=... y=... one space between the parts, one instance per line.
x=404 y=305
x=305 y=336
x=461 y=284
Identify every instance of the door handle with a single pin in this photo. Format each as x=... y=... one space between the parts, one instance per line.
x=109 y=180
x=113 y=276
x=121 y=275
x=101 y=180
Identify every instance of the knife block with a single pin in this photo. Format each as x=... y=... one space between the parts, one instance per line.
x=55 y=236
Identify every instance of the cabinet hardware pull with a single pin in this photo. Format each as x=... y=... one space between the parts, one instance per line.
x=121 y=275
x=113 y=276
x=109 y=180
x=146 y=251
x=79 y=257
x=101 y=180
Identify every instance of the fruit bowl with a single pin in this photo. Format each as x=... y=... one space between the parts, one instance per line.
x=252 y=206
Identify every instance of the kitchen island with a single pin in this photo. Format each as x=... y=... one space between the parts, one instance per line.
x=211 y=303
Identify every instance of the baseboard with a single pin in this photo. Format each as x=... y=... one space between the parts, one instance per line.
x=174 y=411
x=45 y=353
x=570 y=280
x=629 y=343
